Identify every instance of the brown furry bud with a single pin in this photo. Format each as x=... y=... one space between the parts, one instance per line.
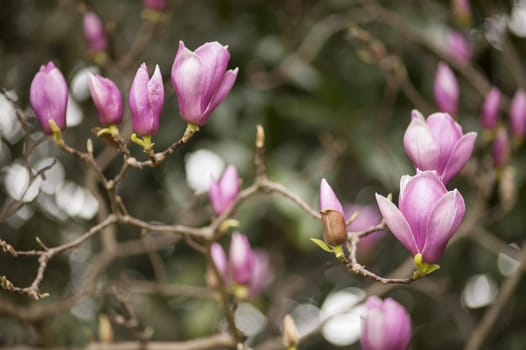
x=334 y=227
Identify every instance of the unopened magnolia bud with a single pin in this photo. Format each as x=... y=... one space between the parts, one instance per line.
x=518 y=114
x=446 y=89
x=334 y=228
x=290 y=333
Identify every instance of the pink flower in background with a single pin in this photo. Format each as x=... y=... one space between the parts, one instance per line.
x=446 y=89
x=225 y=191
x=438 y=143
x=201 y=80
x=490 y=109
x=94 y=33
x=459 y=46
x=518 y=114
x=48 y=96
x=427 y=215
x=241 y=259
x=219 y=257
x=386 y=326
x=262 y=275
x=368 y=217
x=157 y=5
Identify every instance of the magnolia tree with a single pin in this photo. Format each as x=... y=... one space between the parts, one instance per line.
x=129 y=231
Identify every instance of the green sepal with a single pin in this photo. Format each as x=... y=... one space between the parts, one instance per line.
x=423 y=268
x=338 y=251
x=228 y=223
x=111 y=130
x=322 y=245
x=57 y=133
x=241 y=292
x=144 y=141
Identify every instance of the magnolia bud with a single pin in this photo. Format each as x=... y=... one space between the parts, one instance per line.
x=94 y=33
x=334 y=228
x=332 y=216
x=518 y=114
x=446 y=89
x=490 y=110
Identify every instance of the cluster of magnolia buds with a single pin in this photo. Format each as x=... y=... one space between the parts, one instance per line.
x=200 y=79
x=246 y=272
x=446 y=93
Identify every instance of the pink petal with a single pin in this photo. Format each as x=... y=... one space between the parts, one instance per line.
x=219 y=258
x=156 y=95
x=446 y=132
x=373 y=326
x=446 y=89
x=224 y=88
x=328 y=199
x=397 y=332
x=443 y=223
x=420 y=145
x=459 y=156
x=214 y=59
x=188 y=81
x=420 y=196
x=229 y=183
x=397 y=223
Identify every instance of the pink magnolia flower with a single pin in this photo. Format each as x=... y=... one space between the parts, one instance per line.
x=107 y=99
x=438 y=144
x=225 y=191
x=262 y=275
x=94 y=34
x=219 y=258
x=446 y=89
x=386 y=326
x=201 y=80
x=459 y=46
x=490 y=109
x=146 y=101
x=48 y=96
x=241 y=259
x=518 y=114
x=427 y=215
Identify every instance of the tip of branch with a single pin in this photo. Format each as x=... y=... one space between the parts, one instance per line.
x=260 y=136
